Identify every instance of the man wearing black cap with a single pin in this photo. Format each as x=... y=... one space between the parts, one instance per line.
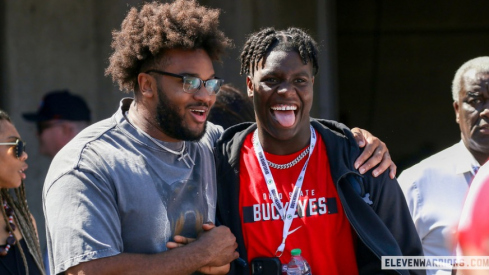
x=60 y=117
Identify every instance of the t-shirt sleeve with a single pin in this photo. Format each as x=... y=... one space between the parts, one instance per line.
x=214 y=132
x=82 y=220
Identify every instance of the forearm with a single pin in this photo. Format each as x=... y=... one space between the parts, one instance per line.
x=184 y=260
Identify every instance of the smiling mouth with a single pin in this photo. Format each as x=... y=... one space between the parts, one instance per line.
x=284 y=114
x=284 y=108
x=200 y=115
x=22 y=172
x=198 y=112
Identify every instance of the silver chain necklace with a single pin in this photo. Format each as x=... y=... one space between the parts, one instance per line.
x=290 y=164
x=183 y=155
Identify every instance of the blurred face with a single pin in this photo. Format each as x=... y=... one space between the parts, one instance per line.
x=52 y=136
x=472 y=113
x=282 y=92
x=11 y=168
x=181 y=115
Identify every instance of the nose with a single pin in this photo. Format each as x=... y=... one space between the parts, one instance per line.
x=24 y=156
x=285 y=87
x=485 y=111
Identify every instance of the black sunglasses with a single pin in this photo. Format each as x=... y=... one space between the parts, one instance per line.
x=192 y=84
x=19 y=147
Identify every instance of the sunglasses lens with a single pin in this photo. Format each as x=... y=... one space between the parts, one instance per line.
x=20 y=147
x=191 y=84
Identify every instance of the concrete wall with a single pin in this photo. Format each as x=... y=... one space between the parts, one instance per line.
x=55 y=44
x=396 y=65
x=3 y=37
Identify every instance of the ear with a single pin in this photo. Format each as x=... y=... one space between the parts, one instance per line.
x=147 y=84
x=456 y=107
x=249 y=85
x=313 y=80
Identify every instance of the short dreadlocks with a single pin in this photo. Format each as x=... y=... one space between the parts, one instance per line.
x=261 y=43
x=157 y=27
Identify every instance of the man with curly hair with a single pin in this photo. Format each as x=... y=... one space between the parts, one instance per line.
x=127 y=192
x=122 y=189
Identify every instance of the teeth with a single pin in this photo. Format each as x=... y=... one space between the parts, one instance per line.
x=284 y=108
x=200 y=111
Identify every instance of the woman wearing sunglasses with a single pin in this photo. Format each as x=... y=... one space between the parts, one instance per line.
x=19 y=245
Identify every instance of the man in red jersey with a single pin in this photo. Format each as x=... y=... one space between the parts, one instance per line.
x=289 y=181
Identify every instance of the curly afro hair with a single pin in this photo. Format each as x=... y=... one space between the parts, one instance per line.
x=145 y=34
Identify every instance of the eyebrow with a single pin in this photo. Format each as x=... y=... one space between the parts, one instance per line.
x=303 y=74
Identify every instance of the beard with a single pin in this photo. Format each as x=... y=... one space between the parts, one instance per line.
x=171 y=123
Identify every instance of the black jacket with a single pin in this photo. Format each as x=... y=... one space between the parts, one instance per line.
x=384 y=227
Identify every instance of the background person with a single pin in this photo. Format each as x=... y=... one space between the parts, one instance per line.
x=435 y=188
x=232 y=107
x=19 y=246
x=60 y=117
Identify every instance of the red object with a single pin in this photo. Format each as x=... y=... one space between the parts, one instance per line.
x=325 y=235
x=474 y=222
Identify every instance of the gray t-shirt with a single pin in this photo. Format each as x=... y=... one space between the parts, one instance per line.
x=113 y=190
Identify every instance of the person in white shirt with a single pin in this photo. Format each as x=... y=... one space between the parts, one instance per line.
x=435 y=188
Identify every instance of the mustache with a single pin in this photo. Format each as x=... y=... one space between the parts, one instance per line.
x=199 y=104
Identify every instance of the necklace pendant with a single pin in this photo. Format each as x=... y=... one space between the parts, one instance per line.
x=183 y=157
